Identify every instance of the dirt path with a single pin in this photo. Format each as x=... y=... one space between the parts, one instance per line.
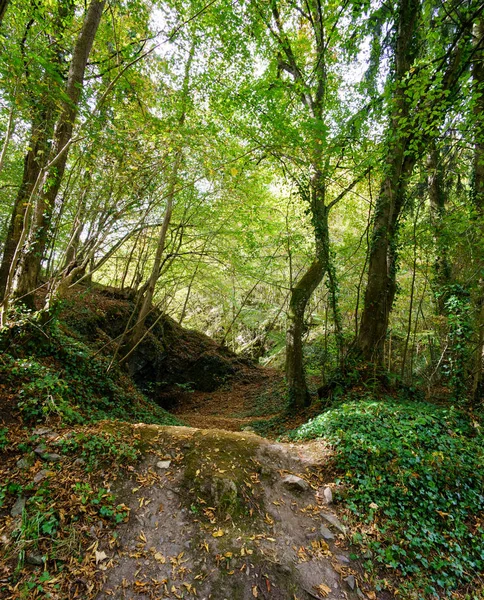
x=229 y=516
x=256 y=396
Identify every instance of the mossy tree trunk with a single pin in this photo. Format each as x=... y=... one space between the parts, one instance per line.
x=32 y=260
x=478 y=193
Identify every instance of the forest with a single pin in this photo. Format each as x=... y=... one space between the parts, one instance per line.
x=248 y=237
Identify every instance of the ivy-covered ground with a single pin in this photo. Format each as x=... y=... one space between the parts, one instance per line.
x=411 y=474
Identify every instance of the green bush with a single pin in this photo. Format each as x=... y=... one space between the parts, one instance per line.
x=415 y=472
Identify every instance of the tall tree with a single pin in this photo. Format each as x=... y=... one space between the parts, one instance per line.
x=31 y=262
x=413 y=121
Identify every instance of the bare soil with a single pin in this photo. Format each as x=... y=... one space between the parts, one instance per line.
x=212 y=517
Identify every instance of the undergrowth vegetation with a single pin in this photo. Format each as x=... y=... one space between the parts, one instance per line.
x=53 y=507
x=52 y=374
x=412 y=475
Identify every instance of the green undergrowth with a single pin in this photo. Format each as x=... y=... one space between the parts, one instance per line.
x=66 y=497
x=50 y=373
x=413 y=475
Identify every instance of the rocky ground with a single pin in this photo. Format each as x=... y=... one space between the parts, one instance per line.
x=223 y=515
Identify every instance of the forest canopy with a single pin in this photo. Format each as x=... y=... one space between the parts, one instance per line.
x=302 y=181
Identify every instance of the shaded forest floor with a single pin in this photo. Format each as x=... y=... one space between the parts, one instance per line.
x=106 y=493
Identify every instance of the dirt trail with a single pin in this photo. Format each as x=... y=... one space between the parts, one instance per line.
x=232 y=408
x=229 y=516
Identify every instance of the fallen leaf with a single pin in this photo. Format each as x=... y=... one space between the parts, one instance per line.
x=323 y=590
x=100 y=556
x=218 y=533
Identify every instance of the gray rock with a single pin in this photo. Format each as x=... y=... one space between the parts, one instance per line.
x=326 y=533
x=334 y=521
x=343 y=559
x=40 y=450
x=79 y=461
x=350 y=580
x=25 y=463
x=360 y=594
x=328 y=495
x=51 y=457
x=163 y=464
x=42 y=431
x=18 y=507
x=35 y=559
x=40 y=475
x=295 y=484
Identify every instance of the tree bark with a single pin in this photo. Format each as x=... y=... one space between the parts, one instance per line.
x=3 y=9
x=148 y=290
x=442 y=269
x=34 y=161
x=31 y=265
x=381 y=286
x=478 y=193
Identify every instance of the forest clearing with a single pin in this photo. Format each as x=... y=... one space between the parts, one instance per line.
x=241 y=299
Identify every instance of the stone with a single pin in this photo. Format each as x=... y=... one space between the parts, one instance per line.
x=40 y=475
x=343 y=559
x=295 y=484
x=350 y=580
x=35 y=559
x=42 y=431
x=51 y=457
x=163 y=464
x=334 y=521
x=79 y=461
x=328 y=495
x=25 y=463
x=360 y=594
x=18 y=507
x=326 y=533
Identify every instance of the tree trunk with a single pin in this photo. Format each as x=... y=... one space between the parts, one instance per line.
x=381 y=286
x=478 y=193
x=32 y=261
x=3 y=9
x=300 y=296
x=149 y=288
x=42 y=129
x=442 y=269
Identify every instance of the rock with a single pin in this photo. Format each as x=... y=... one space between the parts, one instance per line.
x=18 y=507
x=360 y=594
x=79 y=461
x=334 y=521
x=163 y=464
x=25 y=463
x=42 y=431
x=48 y=456
x=51 y=457
x=326 y=533
x=295 y=484
x=40 y=475
x=343 y=559
x=328 y=495
x=35 y=559
x=350 y=580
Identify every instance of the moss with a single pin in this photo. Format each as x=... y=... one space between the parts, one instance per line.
x=223 y=473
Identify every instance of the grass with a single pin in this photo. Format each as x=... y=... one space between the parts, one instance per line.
x=412 y=475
